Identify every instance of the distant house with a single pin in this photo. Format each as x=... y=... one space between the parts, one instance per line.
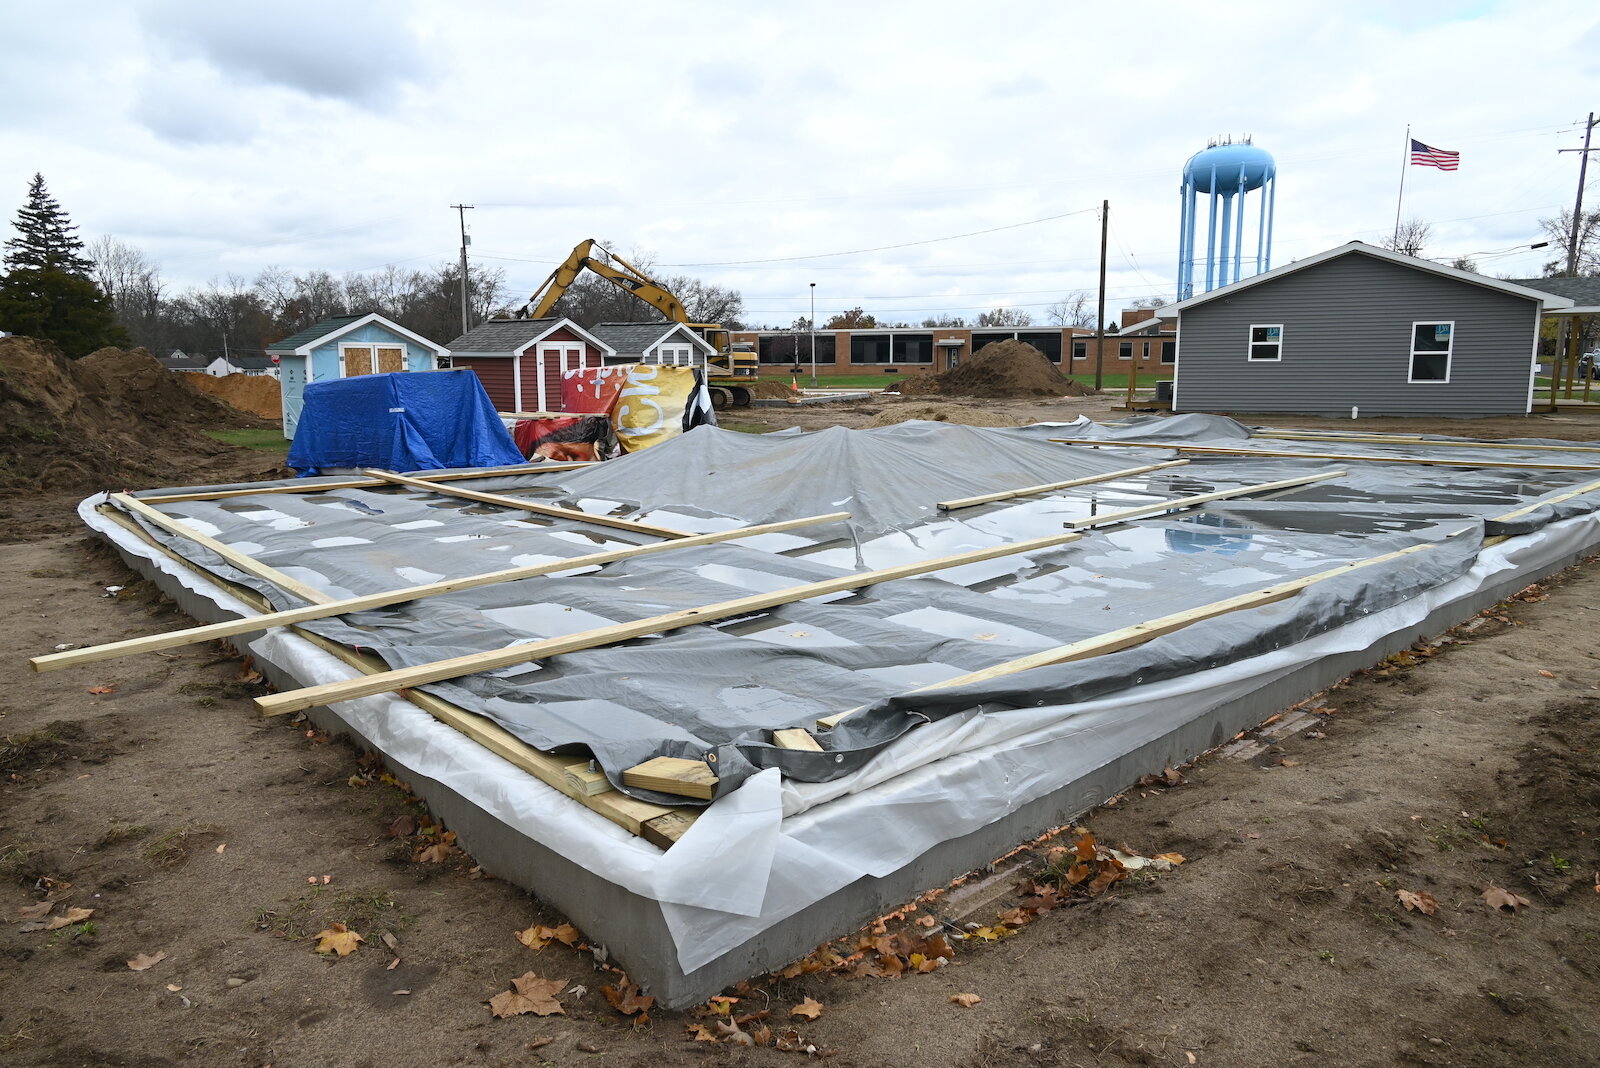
x=1360 y=328
x=673 y=344
x=520 y=361
x=344 y=346
x=236 y=364
x=178 y=360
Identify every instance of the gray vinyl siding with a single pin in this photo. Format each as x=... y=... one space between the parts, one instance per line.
x=1347 y=327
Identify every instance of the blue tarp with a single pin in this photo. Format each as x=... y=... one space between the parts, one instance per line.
x=400 y=422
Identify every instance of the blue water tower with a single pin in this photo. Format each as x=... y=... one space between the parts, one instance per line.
x=1227 y=171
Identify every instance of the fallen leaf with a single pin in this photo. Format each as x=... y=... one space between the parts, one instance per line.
x=731 y=1032
x=222 y=847
x=146 y=961
x=1189 y=1056
x=701 y=1032
x=538 y=936
x=68 y=918
x=810 y=1008
x=530 y=994
x=626 y=999
x=966 y=1001
x=338 y=939
x=539 y=1043
x=1421 y=901
x=174 y=987
x=439 y=851
x=1501 y=899
x=392 y=965
x=1546 y=674
x=403 y=826
x=34 y=912
x=1288 y=762
x=1171 y=858
x=102 y=689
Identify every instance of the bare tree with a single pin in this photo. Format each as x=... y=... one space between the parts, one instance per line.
x=944 y=322
x=1559 y=230
x=132 y=283
x=856 y=318
x=1074 y=309
x=1465 y=263
x=704 y=302
x=1005 y=317
x=1410 y=238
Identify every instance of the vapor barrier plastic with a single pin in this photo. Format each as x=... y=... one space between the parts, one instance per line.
x=911 y=769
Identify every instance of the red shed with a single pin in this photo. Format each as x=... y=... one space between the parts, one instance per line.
x=520 y=361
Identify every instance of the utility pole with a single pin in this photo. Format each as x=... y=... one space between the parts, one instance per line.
x=461 y=212
x=1577 y=207
x=1100 y=319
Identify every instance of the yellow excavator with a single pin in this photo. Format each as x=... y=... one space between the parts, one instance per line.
x=729 y=372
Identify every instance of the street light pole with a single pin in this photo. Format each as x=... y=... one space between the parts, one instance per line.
x=812 y=324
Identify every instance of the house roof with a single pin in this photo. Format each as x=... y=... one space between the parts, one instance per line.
x=250 y=363
x=639 y=337
x=505 y=337
x=335 y=326
x=180 y=361
x=1546 y=299
x=1584 y=292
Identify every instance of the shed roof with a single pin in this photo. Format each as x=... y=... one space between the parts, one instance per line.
x=1546 y=298
x=314 y=332
x=637 y=337
x=1584 y=292
x=321 y=333
x=509 y=336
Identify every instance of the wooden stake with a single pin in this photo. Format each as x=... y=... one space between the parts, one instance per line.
x=796 y=738
x=1139 y=633
x=574 y=514
x=325 y=606
x=1025 y=491
x=365 y=483
x=421 y=674
x=1200 y=498
x=1416 y=439
x=1219 y=451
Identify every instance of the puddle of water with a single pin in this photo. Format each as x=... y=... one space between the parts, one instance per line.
x=418 y=524
x=970 y=628
x=416 y=576
x=912 y=676
x=329 y=543
x=546 y=620
x=783 y=632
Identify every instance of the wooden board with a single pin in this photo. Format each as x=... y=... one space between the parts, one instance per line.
x=503 y=501
x=664 y=831
x=309 y=487
x=328 y=607
x=986 y=498
x=587 y=779
x=1587 y=487
x=795 y=738
x=1139 y=633
x=626 y=812
x=1200 y=498
x=421 y=674
x=1215 y=450
x=1415 y=439
x=248 y=564
x=673 y=775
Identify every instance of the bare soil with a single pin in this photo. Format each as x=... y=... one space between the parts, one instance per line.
x=147 y=790
x=260 y=395
x=1001 y=369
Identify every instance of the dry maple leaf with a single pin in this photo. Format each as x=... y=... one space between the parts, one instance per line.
x=538 y=936
x=68 y=918
x=701 y=1032
x=810 y=1008
x=530 y=994
x=966 y=1001
x=146 y=961
x=731 y=1032
x=626 y=999
x=102 y=689
x=338 y=939
x=34 y=912
x=1421 y=901
x=403 y=826
x=1501 y=899
x=1170 y=858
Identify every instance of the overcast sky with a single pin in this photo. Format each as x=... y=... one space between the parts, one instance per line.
x=760 y=145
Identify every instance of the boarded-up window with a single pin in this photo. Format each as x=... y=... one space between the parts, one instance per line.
x=391 y=359
x=357 y=360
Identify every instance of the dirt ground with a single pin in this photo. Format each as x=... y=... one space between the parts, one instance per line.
x=147 y=790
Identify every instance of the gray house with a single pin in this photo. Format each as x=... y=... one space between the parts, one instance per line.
x=1360 y=328
x=666 y=343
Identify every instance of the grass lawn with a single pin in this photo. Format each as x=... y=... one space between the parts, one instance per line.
x=1109 y=381
x=267 y=439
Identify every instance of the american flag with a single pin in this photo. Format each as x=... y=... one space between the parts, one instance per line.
x=1427 y=156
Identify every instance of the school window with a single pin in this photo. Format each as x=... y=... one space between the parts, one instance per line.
x=1147 y=350
x=1125 y=350
x=1169 y=352
x=1080 y=350
x=1266 y=342
x=1430 y=351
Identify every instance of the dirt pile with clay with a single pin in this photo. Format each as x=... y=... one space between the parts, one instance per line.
x=112 y=420
x=259 y=395
x=1000 y=369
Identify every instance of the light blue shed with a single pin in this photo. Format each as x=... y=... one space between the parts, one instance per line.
x=344 y=346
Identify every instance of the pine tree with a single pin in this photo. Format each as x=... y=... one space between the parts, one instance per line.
x=47 y=239
x=46 y=291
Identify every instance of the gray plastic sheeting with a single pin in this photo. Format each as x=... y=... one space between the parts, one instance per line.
x=717 y=690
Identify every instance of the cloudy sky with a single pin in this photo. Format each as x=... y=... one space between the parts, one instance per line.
x=865 y=147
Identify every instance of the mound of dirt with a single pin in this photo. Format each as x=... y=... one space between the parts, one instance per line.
x=941 y=413
x=770 y=389
x=257 y=394
x=113 y=419
x=1001 y=369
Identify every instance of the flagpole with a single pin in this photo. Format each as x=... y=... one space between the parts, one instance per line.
x=1404 y=156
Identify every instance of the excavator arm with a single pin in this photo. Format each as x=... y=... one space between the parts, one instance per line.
x=624 y=274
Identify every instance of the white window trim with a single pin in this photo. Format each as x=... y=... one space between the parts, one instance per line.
x=1074 y=345
x=369 y=346
x=565 y=351
x=1120 y=356
x=674 y=354
x=1250 y=343
x=1448 y=354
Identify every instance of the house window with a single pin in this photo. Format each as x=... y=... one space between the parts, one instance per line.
x=1266 y=343
x=1125 y=350
x=674 y=355
x=357 y=360
x=1430 y=351
x=1169 y=352
x=1080 y=350
x=1147 y=350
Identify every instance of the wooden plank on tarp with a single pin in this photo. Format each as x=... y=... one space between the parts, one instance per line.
x=502 y=501
x=1048 y=487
